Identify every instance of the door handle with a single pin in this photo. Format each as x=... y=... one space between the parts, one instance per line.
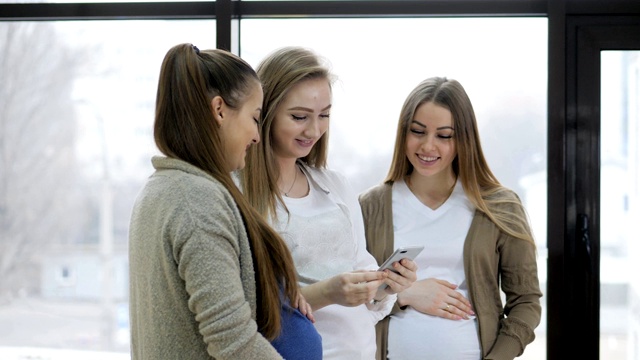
x=585 y=240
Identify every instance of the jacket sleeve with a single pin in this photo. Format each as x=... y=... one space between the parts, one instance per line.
x=519 y=281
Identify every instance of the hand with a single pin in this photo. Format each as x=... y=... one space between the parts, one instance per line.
x=398 y=282
x=438 y=298
x=354 y=288
x=303 y=306
x=346 y=289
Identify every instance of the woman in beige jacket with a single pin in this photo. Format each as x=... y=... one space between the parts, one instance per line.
x=440 y=193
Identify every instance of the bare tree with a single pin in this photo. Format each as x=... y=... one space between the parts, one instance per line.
x=38 y=174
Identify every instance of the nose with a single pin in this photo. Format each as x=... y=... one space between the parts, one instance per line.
x=428 y=143
x=312 y=130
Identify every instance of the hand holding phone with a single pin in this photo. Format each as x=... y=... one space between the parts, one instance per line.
x=407 y=252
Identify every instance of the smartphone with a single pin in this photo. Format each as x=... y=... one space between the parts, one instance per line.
x=408 y=252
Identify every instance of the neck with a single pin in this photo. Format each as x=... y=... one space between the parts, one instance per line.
x=431 y=191
x=288 y=175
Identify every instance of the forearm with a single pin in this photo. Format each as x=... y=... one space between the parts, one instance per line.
x=316 y=295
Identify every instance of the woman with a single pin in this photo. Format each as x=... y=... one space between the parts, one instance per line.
x=208 y=276
x=440 y=193
x=315 y=209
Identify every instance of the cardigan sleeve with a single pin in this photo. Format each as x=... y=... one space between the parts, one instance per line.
x=517 y=268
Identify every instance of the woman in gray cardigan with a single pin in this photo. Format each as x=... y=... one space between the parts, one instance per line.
x=208 y=277
x=440 y=193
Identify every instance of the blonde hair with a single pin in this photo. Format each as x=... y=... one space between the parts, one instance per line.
x=184 y=129
x=481 y=186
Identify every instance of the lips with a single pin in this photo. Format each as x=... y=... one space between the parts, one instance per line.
x=305 y=143
x=428 y=158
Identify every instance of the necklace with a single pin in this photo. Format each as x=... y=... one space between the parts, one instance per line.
x=286 y=193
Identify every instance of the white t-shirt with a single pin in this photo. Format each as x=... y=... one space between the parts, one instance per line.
x=322 y=236
x=412 y=334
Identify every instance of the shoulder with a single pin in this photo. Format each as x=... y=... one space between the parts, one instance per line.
x=374 y=193
x=325 y=174
x=330 y=180
x=504 y=199
x=504 y=193
x=186 y=189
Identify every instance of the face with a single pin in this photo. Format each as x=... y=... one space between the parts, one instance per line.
x=430 y=144
x=239 y=126
x=301 y=119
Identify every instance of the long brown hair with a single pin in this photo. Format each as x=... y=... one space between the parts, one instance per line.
x=480 y=184
x=279 y=72
x=185 y=129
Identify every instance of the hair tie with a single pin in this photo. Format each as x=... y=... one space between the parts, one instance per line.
x=195 y=48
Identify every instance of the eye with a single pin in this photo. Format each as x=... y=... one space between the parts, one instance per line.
x=445 y=136
x=325 y=116
x=416 y=131
x=298 y=118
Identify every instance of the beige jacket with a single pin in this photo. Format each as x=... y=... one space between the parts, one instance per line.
x=493 y=261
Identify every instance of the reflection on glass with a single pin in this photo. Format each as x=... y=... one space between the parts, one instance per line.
x=620 y=205
x=76 y=112
x=500 y=61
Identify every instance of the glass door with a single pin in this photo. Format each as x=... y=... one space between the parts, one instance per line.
x=620 y=205
x=601 y=293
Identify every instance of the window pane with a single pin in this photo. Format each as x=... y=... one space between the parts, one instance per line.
x=501 y=62
x=76 y=114
x=620 y=205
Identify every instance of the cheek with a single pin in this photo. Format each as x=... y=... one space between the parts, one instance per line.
x=325 y=126
x=410 y=144
x=452 y=150
x=278 y=136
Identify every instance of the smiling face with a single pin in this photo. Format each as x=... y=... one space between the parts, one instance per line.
x=301 y=119
x=430 y=144
x=239 y=127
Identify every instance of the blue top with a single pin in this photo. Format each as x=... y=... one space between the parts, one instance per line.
x=299 y=339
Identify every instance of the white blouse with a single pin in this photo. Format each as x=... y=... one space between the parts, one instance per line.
x=325 y=234
x=412 y=334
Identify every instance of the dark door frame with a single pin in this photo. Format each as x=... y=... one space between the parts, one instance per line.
x=573 y=294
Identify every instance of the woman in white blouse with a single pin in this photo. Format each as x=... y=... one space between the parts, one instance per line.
x=315 y=209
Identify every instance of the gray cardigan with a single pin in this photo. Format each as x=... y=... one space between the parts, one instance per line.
x=493 y=261
x=192 y=283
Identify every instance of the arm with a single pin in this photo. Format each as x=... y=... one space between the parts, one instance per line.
x=219 y=288
x=519 y=278
x=431 y=296
x=346 y=289
x=518 y=274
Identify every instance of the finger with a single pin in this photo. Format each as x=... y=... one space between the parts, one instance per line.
x=463 y=309
x=362 y=277
x=309 y=314
x=400 y=282
x=449 y=312
x=460 y=298
x=447 y=284
x=409 y=264
x=303 y=308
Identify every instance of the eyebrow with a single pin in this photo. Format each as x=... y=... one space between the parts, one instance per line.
x=425 y=126
x=301 y=108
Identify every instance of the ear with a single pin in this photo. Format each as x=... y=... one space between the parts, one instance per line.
x=218 y=108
